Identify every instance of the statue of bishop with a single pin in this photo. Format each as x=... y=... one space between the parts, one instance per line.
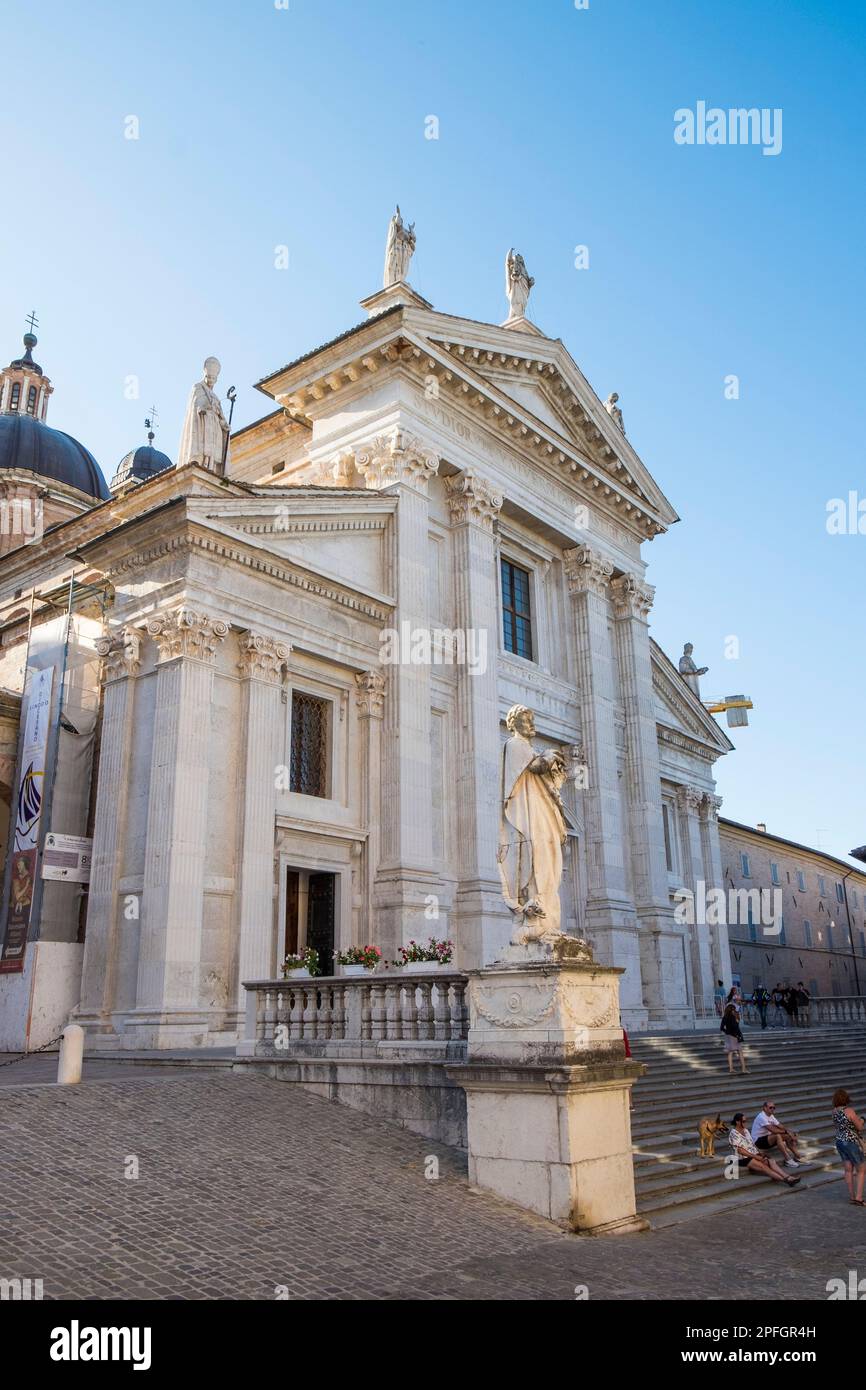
x=398 y=250
x=205 y=428
x=518 y=283
x=532 y=831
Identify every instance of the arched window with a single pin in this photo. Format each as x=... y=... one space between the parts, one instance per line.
x=31 y=401
x=16 y=395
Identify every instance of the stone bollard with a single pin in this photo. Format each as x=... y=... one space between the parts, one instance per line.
x=71 y=1057
x=547 y=1087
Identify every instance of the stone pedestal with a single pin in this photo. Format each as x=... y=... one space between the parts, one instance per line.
x=547 y=1088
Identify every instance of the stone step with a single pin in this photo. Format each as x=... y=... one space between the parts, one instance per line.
x=672 y=1208
x=687 y=1079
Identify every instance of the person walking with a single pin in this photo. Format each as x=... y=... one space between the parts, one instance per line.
x=748 y=1156
x=849 y=1145
x=730 y=1026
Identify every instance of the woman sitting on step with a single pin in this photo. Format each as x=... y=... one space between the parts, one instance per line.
x=748 y=1156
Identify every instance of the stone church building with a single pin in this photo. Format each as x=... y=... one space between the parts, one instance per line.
x=287 y=682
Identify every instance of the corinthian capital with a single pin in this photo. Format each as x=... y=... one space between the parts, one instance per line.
x=587 y=570
x=689 y=799
x=121 y=653
x=632 y=598
x=262 y=658
x=183 y=632
x=471 y=498
x=370 y=694
x=711 y=806
x=396 y=457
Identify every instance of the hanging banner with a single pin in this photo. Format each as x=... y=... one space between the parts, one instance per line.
x=28 y=812
x=67 y=858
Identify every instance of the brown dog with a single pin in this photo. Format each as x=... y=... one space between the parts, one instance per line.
x=708 y=1129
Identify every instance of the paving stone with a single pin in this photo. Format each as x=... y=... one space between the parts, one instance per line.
x=247 y=1184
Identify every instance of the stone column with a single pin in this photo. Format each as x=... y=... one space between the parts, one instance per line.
x=661 y=951
x=167 y=1008
x=370 y=700
x=482 y=922
x=121 y=655
x=262 y=664
x=405 y=877
x=611 y=921
x=720 y=946
x=547 y=1082
x=689 y=800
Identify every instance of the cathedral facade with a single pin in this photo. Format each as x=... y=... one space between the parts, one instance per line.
x=297 y=665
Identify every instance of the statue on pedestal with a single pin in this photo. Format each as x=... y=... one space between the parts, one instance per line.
x=205 y=429
x=532 y=831
x=398 y=250
x=689 y=671
x=518 y=283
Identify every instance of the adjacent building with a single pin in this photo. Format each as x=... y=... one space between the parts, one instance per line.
x=819 y=935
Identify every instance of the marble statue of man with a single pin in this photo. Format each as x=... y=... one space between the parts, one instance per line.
x=518 y=283
x=613 y=410
x=532 y=831
x=398 y=250
x=689 y=671
x=205 y=428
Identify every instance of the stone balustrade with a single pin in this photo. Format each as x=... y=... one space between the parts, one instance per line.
x=343 y=1015
x=822 y=1011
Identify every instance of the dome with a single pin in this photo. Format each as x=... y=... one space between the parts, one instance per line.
x=140 y=464
x=57 y=457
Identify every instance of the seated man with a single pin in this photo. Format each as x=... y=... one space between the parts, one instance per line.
x=768 y=1133
x=748 y=1156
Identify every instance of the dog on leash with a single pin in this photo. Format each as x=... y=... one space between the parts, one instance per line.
x=708 y=1129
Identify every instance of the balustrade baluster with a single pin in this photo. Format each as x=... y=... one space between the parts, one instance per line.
x=442 y=1012
x=392 y=1012
x=409 y=1012
x=270 y=1016
x=425 y=1010
x=459 y=1015
x=325 y=1014
x=377 y=1012
x=366 y=1011
x=338 y=1023
x=296 y=1018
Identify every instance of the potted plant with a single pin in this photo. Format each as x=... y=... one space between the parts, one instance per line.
x=303 y=966
x=420 y=960
x=358 y=960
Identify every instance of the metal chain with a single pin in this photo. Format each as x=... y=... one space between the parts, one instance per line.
x=32 y=1053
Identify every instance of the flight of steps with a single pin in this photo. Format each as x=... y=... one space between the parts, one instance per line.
x=687 y=1079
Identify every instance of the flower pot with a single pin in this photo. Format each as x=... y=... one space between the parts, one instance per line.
x=356 y=970
x=300 y=974
x=423 y=967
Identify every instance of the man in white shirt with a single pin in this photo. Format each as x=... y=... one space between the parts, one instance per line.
x=768 y=1133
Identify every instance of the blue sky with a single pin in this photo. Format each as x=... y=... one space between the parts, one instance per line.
x=261 y=127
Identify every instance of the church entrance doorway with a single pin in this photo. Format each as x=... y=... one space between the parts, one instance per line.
x=310 y=914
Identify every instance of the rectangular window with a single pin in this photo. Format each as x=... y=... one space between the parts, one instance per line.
x=853 y=896
x=753 y=930
x=774 y=874
x=840 y=893
x=822 y=886
x=830 y=936
x=308 y=765
x=31 y=401
x=666 y=822
x=516 y=615
x=745 y=866
x=16 y=395
x=807 y=932
x=801 y=880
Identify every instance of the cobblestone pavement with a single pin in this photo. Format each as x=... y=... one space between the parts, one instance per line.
x=246 y=1184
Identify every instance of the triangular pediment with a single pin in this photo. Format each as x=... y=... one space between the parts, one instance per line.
x=678 y=708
